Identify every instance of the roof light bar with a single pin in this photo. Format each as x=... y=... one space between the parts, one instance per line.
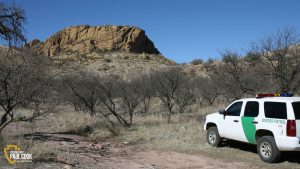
x=274 y=95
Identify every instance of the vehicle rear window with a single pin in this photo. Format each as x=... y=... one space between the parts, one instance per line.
x=296 y=107
x=275 y=110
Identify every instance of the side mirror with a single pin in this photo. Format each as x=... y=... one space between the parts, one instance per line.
x=222 y=111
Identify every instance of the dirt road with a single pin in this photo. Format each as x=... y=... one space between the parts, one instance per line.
x=74 y=151
x=168 y=160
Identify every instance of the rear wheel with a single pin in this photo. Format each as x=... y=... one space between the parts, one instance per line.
x=267 y=149
x=213 y=137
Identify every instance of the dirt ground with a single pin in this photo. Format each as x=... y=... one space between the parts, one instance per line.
x=176 y=146
x=77 y=152
x=167 y=159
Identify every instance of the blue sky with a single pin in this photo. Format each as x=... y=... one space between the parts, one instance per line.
x=181 y=29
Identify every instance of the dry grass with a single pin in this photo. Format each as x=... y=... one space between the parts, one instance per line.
x=151 y=131
x=178 y=136
x=186 y=134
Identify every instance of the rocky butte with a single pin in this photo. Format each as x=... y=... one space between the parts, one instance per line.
x=85 y=39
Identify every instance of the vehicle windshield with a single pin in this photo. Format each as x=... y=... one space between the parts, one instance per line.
x=296 y=107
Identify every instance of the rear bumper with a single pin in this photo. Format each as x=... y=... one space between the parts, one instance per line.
x=285 y=143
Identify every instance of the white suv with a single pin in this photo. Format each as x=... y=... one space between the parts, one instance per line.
x=273 y=123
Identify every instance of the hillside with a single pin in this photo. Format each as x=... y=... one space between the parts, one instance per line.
x=103 y=49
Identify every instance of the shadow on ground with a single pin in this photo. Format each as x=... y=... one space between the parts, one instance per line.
x=293 y=157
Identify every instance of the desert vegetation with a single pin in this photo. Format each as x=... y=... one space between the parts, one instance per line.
x=157 y=109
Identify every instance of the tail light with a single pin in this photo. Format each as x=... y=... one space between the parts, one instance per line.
x=291 y=128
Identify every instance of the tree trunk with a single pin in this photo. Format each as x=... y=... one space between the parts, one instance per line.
x=121 y=119
x=131 y=116
x=2 y=144
x=169 y=114
x=169 y=118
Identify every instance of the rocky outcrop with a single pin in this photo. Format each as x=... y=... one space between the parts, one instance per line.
x=85 y=39
x=36 y=46
x=35 y=42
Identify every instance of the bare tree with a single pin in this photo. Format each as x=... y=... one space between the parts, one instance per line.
x=94 y=94
x=281 y=56
x=110 y=92
x=82 y=90
x=235 y=67
x=184 y=98
x=147 y=94
x=147 y=91
x=241 y=77
x=132 y=95
x=208 y=88
x=12 y=19
x=167 y=83
x=25 y=80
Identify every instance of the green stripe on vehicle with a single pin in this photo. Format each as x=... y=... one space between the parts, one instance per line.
x=249 y=129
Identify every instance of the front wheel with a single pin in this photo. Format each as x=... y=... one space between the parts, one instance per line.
x=213 y=137
x=267 y=149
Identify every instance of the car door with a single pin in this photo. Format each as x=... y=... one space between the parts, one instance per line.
x=249 y=120
x=232 y=126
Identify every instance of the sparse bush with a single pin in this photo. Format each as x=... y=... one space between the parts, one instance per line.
x=209 y=65
x=107 y=60
x=99 y=51
x=105 y=68
x=197 y=61
x=144 y=56
x=253 y=58
x=210 y=60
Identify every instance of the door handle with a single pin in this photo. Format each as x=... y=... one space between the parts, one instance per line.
x=254 y=122
x=235 y=121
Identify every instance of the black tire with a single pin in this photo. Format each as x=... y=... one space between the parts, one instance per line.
x=267 y=149
x=213 y=138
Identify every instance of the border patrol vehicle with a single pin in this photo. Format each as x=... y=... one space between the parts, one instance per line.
x=271 y=121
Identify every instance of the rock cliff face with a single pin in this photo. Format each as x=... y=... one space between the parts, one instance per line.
x=85 y=39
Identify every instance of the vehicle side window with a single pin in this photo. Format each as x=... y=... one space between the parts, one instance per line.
x=235 y=109
x=251 y=109
x=275 y=110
